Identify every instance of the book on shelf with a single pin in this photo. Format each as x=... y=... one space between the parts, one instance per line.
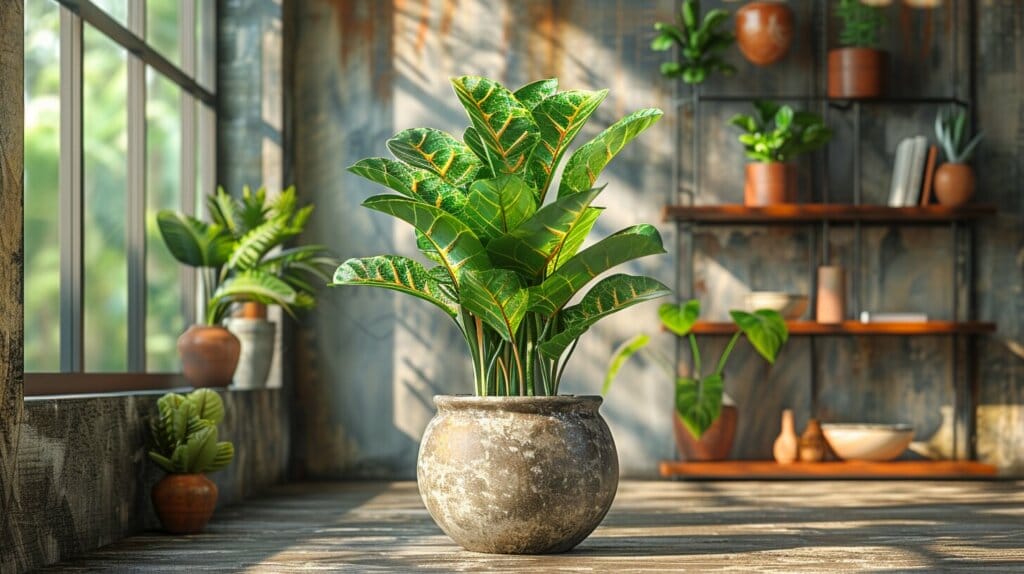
x=930 y=166
x=867 y=317
x=915 y=173
x=908 y=171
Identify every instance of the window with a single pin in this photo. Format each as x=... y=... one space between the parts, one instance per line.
x=120 y=123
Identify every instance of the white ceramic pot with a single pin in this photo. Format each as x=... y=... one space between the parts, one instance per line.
x=257 y=337
x=873 y=442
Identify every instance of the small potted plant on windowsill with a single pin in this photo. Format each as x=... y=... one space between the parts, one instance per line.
x=954 y=179
x=857 y=69
x=534 y=471
x=700 y=43
x=185 y=445
x=704 y=427
x=773 y=138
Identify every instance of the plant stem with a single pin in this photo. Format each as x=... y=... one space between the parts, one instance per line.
x=726 y=352
x=561 y=368
x=696 y=356
x=481 y=375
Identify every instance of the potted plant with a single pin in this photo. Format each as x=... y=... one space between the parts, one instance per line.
x=954 y=180
x=764 y=31
x=704 y=427
x=700 y=43
x=772 y=138
x=534 y=471
x=857 y=69
x=185 y=445
x=236 y=265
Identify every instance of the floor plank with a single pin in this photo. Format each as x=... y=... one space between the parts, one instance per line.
x=653 y=527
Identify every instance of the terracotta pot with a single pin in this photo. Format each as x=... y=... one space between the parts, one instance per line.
x=764 y=31
x=517 y=475
x=855 y=73
x=184 y=502
x=714 y=444
x=251 y=310
x=954 y=184
x=769 y=184
x=209 y=355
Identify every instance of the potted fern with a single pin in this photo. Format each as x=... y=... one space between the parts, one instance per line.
x=534 y=471
x=954 y=179
x=772 y=139
x=704 y=426
x=238 y=265
x=700 y=43
x=857 y=69
x=185 y=445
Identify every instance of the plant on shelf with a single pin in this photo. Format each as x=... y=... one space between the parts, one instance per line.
x=508 y=265
x=237 y=264
x=698 y=397
x=856 y=70
x=954 y=180
x=772 y=138
x=185 y=445
x=700 y=43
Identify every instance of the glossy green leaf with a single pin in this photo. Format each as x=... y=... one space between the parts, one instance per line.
x=255 y=244
x=574 y=240
x=497 y=297
x=626 y=245
x=587 y=162
x=450 y=238
x=200 y=449
x=396 y=273
x=698 y=403
x=208 y=405
x=249 y=285
x=533 y=93
x=680 y=318
x=437 y=152
x=412 y=182
x=560 y=119
x=505 y=126
x=194 y=242
x=224 y=211
x=765 y=329
x=611 y=295
x=496 y=206
x=619 y=358
x=531 y=247
x=224 y=453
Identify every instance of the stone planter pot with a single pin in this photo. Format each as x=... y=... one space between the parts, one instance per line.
x=209 y=355
x=517 y=475
x=184 y=502
x=714 y=444
x=855 y=73
x=764 y=31
x=954 y=184
x=256 y=337
x=769 y=183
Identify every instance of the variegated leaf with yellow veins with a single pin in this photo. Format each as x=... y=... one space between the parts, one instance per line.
x=397 y=273
x=504 y=125
x=496 y=296
x=437 y=152
x=534 y=93
x=496 y=206
x=587 y=162
x=412 y=182
x=560 y=118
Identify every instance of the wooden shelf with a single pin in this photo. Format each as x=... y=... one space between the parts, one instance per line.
x=858 y=328
x=768 y=469
x=822 y=212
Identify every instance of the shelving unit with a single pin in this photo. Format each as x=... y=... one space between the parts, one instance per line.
x=819 y=217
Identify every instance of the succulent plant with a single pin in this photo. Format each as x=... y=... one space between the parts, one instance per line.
x=861 y=23
x=950 y=126
x=700 y=43
x=778 y=134
x=185 y=433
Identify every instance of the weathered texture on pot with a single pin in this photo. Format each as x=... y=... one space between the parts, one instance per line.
x=518 y=475
x=256 y=337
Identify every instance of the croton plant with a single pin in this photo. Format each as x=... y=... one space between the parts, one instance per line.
x=507 y=258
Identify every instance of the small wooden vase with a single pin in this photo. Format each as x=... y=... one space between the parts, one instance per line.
x=786 y=445
x=184 y=502
x=209 y=355
x=764 y=31
x=954 y=184
x=812 y=443
x=769 y=184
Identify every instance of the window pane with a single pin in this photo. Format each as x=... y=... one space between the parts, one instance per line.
x=118 y=9
x=165 y=318
x=104 y=148
x=205 y=45
x=42 y=196
x=162 y=28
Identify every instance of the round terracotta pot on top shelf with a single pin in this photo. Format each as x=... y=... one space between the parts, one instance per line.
x=856 y=73
x=184 y=502
x=769 y=183
x=954 y=184
x=714 y=444
x=764 y=31
x=209 y=355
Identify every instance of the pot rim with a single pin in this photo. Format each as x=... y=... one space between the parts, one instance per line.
x=517 y=403
x=857 y=49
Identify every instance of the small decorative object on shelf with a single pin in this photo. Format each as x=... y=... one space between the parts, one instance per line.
x=831 y=301
x=790 y=305
x=868 y=442
x=700 y=44
x=954 y=180
x=772 y=139
x=856 y=70
x=787 y=444
x=764 y=31
x=813 y=447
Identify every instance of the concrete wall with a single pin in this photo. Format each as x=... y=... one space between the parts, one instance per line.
x=369 y=362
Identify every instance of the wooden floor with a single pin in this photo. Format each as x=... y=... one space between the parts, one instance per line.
x=653 y=527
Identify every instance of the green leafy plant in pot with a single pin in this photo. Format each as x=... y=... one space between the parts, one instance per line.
x=506 y=266
x=237 y=264
x=772 y=138
x=857 y=69
x=704 y=427
x=954 y=179
x=186 y=446
x=700 y=43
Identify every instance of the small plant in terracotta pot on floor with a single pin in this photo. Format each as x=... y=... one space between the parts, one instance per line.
x=954 y=180
x=772 y=138
x=185 y=445
x=857 y=69
x=700 y=43
x=704 y=428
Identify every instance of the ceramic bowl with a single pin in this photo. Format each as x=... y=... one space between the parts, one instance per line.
x=789 y=305
x=874 y=442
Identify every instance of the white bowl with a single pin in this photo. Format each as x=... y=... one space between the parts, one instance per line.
x=789 y=305
x=874 y=442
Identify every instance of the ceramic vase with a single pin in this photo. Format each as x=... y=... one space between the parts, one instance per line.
x=209 y=355
x=831 y=300
x=785 y=449
x=769 y=183
x=954 y=184
x=764 y=31
x=813 y=447
x=184 y=502
x=855 y=73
